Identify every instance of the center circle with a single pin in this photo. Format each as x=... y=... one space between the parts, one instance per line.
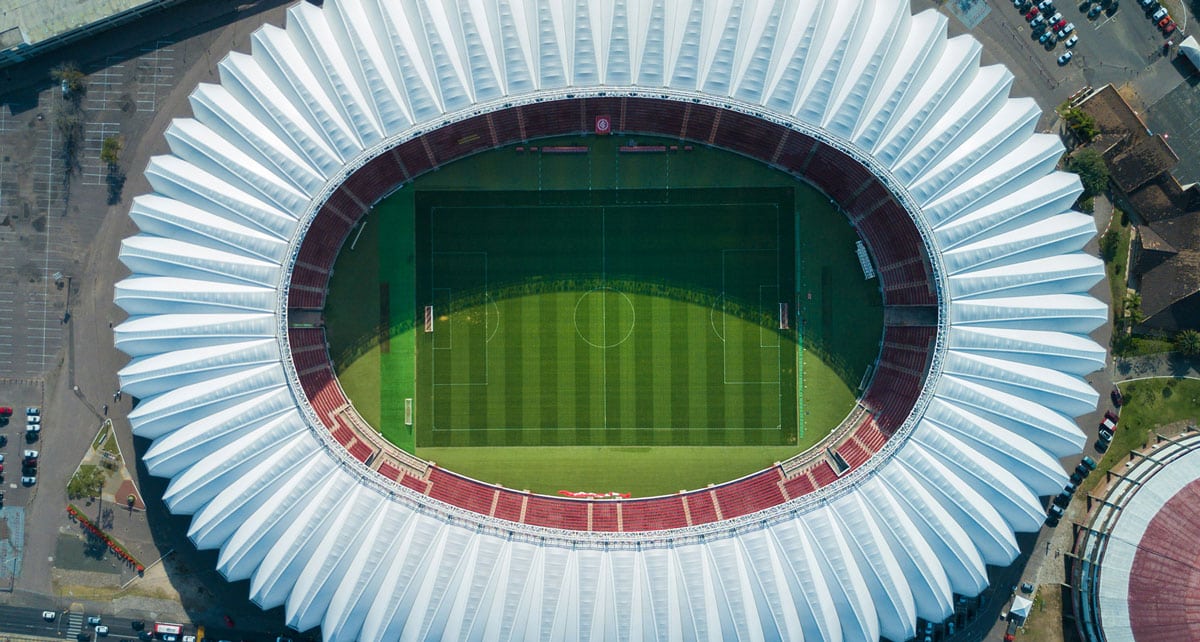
x=604 y=317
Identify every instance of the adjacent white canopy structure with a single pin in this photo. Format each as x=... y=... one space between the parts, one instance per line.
x=316 y=532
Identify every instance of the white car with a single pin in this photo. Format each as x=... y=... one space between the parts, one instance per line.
x=33 y=411
x=29 y=481
x=33 y=419
x=101 y=631
x=1159 y=15
x=49 y=615
x=1071 y=42
x=93 y=620
x=1062 y=33
x=31 y=454
x=1065 y=58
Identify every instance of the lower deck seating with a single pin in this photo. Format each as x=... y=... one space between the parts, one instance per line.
x=750 y=495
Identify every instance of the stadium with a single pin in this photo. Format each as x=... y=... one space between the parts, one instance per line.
x=956 y=432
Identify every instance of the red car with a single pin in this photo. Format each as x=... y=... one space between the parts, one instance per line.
x=1169 y=28
x=1033 y=13
x=1059 y=25
x=1112 y=416
x=5 y=411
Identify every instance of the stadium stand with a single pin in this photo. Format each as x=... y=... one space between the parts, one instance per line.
x=460 y=491
x=571 y=514
x=604 y=516
x=750 y=494
x=509 y=506
x=653 y=514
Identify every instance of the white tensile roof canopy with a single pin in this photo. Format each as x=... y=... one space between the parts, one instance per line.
x=365 y=559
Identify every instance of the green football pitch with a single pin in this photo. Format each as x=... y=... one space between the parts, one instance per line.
x=603 y=320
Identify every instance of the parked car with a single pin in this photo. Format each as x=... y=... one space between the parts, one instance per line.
x=1045 y=36
x=1094 y=11
x=6 y=411
x=33 y=411
x=1033 y=13
x=1052 y=517
x=1070 y=42
x=33 y=419
x=1063 y=499
x=1066 y=29
x=28 y=480
x=1146 y=3
x=1059 y=24
x=1162 y=24
x=1046 y=5
x=1055 y=18
x=1088 y=462
x=1077 y=479
x=1158 y=15
x=1112 y=8
x=1038 y=21
x=1107 y=429
x=1169 y=28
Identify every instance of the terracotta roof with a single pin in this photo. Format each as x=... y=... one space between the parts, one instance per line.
x=1142 y=161
x=1113 y=115
x=1172 y=281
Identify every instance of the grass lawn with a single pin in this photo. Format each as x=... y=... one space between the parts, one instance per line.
x=643 y=470
x=655 y=412
x=1149 y=403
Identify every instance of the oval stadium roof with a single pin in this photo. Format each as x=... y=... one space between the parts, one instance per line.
x=339 y=547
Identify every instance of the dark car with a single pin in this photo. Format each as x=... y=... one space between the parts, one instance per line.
x=1063 y=499
x=1094 y=11
x=1052 y=517
x=1077 y=478
x=137 y=625
x=1083 y=470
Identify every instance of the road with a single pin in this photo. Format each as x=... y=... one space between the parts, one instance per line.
x=29 y=621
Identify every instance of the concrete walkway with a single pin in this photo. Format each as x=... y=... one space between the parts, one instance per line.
x=1166 y=364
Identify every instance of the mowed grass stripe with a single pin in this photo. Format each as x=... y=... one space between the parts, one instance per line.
x=644 y=372
x=549 y=324
x=512 y=336
x=531 y=359
x=714 y=378
x=696 y=358
x=567 y=345
x=680 y=412
x=626 y=375
x=662 y=370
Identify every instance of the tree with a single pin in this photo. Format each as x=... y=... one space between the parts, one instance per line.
x=110 y=150
x=1110 y=244
x=1092 y=170
x=1188 y=343
x=71 y=79
x=1080 y=123
x=1133 y=308
x=87 y=482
